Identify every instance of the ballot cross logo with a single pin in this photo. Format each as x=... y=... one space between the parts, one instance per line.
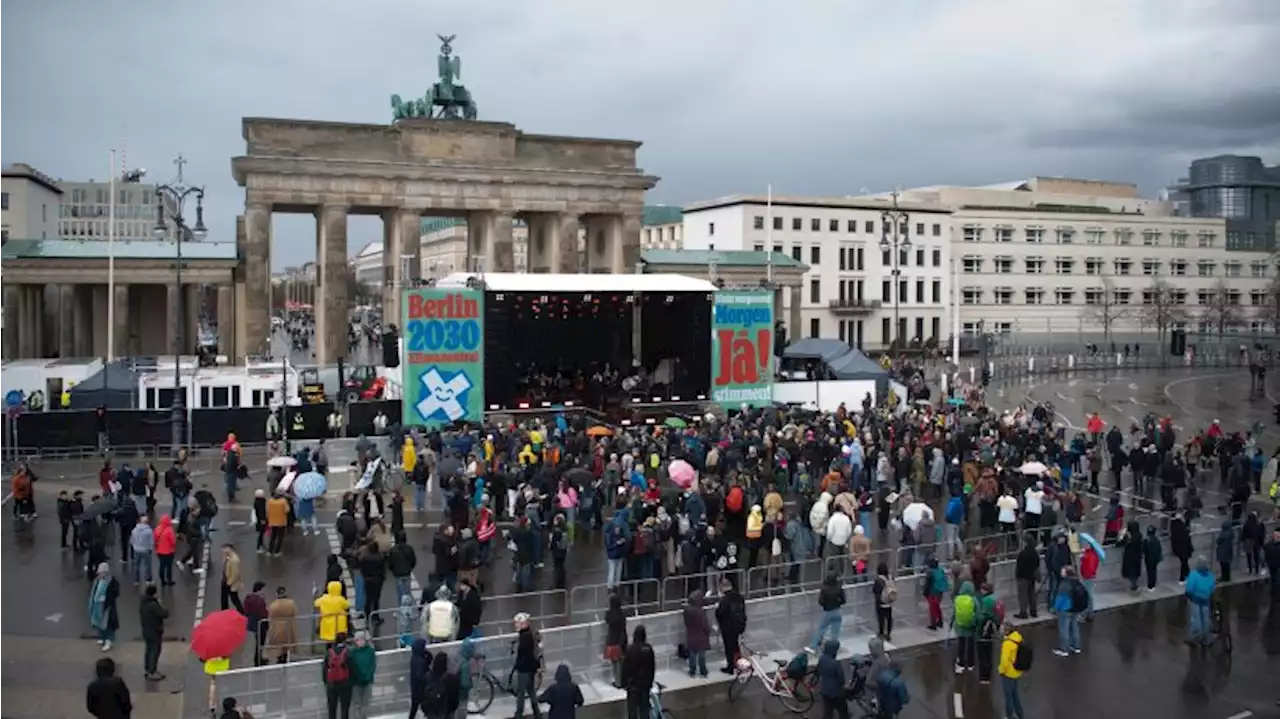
x=445 y=397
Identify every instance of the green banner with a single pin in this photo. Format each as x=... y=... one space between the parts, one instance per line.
x=442 y=336
x=742 y=348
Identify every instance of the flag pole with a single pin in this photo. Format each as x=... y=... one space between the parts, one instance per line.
x=768 y=235
x=111 y=263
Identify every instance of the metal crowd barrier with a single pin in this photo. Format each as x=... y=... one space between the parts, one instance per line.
x=774 y=624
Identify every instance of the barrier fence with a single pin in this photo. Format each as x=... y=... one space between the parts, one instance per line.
x=776 y=623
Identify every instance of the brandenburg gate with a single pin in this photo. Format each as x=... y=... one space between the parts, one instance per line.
x=434 y=159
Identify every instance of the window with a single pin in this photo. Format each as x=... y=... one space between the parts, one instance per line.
x=1035 y=295
x=1004 y=234
x=1150 y=267
x=1066 y=235
x=1093 y=236
x=4 y=200
x=886 y=259
x=1204 y=268
x=4 y=235
x=1093 y=266
x=937 y=230
x=1204 y=297
x=1004 y=265
x=1258 y=269
x=971 y=265
x=1178 y=268
x=1035 y=265
x=972 y=234
x=758 y=222
x=796 y=251
x=1064 y=265
x=834 y=225
x=815 y=255
x=1178 y=238
x=904 y=258
x=970 y=295
x=1233 y=297
x=858 y=266
x=815 y=327
x=902 y=292
x=797 y=223
x=1094 y=296
x=777 y=223
x=1003 y=295
x=919 y=229
x=920 y=257
x=920 y=291
x=1064 y=296
x=1257 y=326
x=844 y=265
x=851 y=225
x=1204 y=239
x=1122 y=266
x=937 y=292
x=1122 y=297
x=1257 y=297
x=886 y=292
x=1150 y=238
x=711 y=228
x=815 y=225
x=1035 y=235
x=815 y=291
x=758 y=247
x=869 y=227
x=885 y=330
x=1232 y=268
x=937 y=257
x=969 y=329
x=777 y=247
x=1124 y=237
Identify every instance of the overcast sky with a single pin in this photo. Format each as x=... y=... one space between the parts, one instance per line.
x=825 y=97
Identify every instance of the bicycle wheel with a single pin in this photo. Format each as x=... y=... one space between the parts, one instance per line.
x=482 y=693
x=738 y=686
x=796 y=697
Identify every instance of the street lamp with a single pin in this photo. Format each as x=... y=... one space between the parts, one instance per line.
x=895 y=239
x=177 y=194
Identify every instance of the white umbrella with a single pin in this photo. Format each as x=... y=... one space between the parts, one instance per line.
x=1035 y=468
x=915 y=513
x=281 y=462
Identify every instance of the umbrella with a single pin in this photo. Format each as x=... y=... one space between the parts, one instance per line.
x=310 y=485
x=281 y=462
x=915 y=513
x=219 y=634
x=675 y=423
x=599 y=431
x=682 y=473
x=1097 y=546
x=1036 y=468
x=100 y=508
x=956 y=401
x=923 y=403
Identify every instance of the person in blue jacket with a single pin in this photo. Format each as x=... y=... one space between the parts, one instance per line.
x=831 y=681
x=1199 y=591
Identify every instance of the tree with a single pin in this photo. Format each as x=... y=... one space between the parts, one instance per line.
x=1106 y=311
x=1221 y=313
x=1160 y=309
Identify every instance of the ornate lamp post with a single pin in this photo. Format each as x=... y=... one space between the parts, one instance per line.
x=177 y=194
x=895 y=239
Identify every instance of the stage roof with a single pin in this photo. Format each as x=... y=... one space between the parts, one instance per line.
x=541 y=282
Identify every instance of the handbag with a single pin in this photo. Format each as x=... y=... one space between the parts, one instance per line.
x=776 y=548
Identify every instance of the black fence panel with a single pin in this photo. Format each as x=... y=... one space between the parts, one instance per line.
x=360 y=415
x=69 y=428
x=139 y=427
x=211 y=426
x=315 y=420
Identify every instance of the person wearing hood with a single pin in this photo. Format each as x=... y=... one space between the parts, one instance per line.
x=885 y=591
x=860 y=550
x=799 y=543
x=151 y=618
x=831 y=599
x=441 y=617
x=1026 y=574
x=363 y=660
x=731 y=615
x=935 y=588
x=332 y=607
x=419 y=666
x=103 y=615
x=1180 y=544
x=1010 y=674
x=563 y=696
x=1252 y=536
x=754 y=535
x=831 y=681
x=406 y=620
x=1225 y=551
x=839 y=530
x=401 y=561
x=615 y=637
x=1152 y=554
x=470 y=608
x=819 y=515
x=965 y=621
x=1131 y=559
x=697 y=634
x=166 y=544
x=891 y=691
x=1199 y=591
x=638 y=668
x=107 y=696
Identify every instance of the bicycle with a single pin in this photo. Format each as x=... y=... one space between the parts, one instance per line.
x=655 y=703
x=485 y=686
x=792 y=692
x=855 y=690
x=1219 y=627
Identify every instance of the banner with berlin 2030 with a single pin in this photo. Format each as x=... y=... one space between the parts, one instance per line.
x=442 y=336
x=742 y=348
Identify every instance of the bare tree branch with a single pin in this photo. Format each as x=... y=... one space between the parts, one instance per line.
x=1221 y=313
x=1106 y=311
x=1160 y=309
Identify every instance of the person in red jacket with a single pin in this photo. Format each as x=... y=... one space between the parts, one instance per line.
x=166 y=547
x=1094 y=427
x=1089 y=561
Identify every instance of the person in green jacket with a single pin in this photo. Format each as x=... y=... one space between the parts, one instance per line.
x=987 y=631
x=965 y=622
x=363 y=660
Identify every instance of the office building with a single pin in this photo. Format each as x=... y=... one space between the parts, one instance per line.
x=29 y=202
x=1238 y=189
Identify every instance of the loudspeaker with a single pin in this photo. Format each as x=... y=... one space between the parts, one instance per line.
x=391 y=348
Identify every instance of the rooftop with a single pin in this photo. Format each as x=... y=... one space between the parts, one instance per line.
x=662 y=215
x=723 y=258
x=24 y=171
x=121 y=249
x=568 y=283
x=839 y=203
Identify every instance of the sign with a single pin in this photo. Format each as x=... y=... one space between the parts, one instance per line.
x=13 y=398
x=742 y=348
x=443 y=362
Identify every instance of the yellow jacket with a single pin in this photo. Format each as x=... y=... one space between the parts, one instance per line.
x=332 y=607
x=526 y=456
x=755 y=523
x=1008 y=652
x=409 y=455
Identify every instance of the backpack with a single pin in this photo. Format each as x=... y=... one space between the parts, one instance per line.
x=1079 y=598
x=966 y=607
x=209 y=507
x=989 y=628
x=336 y=669
x=1023 y=657
x=889 y=594
x=435 y=701
x=640 y=543
x=684 y=526
x=733 y=502
x=893 y=694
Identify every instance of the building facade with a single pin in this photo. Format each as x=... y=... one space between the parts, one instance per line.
x=1240 y=190
x=850 y=290
x=663 y=228
x=29 y=202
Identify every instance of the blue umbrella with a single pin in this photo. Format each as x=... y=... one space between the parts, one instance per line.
x=1097 y=547
x=310 y=485
x=956 y=402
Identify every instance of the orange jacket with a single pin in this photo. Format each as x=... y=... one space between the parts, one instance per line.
x=21 y=486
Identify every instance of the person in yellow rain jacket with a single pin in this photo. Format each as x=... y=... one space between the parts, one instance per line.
x=527 y=456
x=408 y=456
x=1010 y=674
x=332 y=607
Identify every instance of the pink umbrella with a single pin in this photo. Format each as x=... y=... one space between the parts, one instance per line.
x=682 y=473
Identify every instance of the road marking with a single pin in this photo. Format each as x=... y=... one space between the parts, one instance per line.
x=957 y=703
x=1061 y=397
x=202 y=585
x=1242 y=715
x=1073 y=383
x=1133 y=386
x=55 y=618
x=1118 y=408
x=6 y=499
x=1134 y=400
